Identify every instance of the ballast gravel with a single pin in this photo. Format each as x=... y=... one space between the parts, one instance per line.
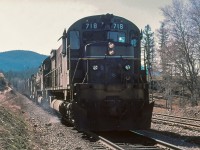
x=46 y=132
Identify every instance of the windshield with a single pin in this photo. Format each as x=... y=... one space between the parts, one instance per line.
x=90 y=36
x=116 y=36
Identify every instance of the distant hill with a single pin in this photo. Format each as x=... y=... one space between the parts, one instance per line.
x=20 y=60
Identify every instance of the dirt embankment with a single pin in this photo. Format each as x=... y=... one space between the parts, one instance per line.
x=13 y=129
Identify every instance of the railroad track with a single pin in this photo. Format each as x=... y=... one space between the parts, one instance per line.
x=129 y=140
x=190 y=123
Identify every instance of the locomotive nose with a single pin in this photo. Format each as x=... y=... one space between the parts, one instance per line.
x=114 y=107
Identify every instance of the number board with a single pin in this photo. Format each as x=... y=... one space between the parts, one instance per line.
x=91 y=25
x=95 y=25
x=118 y=26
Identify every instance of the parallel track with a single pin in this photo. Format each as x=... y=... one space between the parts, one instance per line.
x=190 y=123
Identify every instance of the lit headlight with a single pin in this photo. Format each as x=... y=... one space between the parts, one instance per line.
x=95 y=67
x=111 y=52
x=111 y=47
x=127 y=67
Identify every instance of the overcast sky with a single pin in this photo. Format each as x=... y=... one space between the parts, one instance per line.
x=36 y=25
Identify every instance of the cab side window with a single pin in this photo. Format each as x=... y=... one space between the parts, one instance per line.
x=74 y=40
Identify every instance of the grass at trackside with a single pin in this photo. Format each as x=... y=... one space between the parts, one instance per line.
x=13 y=131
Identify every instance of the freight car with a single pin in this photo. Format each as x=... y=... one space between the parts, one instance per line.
x=94 y=79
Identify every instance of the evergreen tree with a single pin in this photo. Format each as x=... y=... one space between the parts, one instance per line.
x=148 y=45
x=163 y=39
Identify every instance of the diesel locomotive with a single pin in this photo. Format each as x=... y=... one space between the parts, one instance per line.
x=94 y=79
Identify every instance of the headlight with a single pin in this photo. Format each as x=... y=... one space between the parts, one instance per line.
x=111 y=47
x=111 y=52
x=127 y=67
x=95 y=67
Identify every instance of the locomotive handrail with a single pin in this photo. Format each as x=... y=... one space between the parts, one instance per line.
x=52 y=74
x=97 y=58
x=86 y=74
x=75 y=69
x=111 y=57
x=103 y=57
x=51 y=71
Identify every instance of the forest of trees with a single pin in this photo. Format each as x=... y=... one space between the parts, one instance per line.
x=17 y=79
x=19 y=65
x=177 y=56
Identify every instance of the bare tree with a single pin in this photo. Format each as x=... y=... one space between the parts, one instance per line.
x=194 y=15
x=182 y=48
x=166 y=82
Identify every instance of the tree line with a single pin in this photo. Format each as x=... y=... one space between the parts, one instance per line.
x=177 y=54
x=17 y=79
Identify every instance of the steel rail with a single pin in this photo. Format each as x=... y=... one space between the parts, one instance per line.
x=159 y=142
x=104 y=141
x=193 y=119
x=177 y=122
